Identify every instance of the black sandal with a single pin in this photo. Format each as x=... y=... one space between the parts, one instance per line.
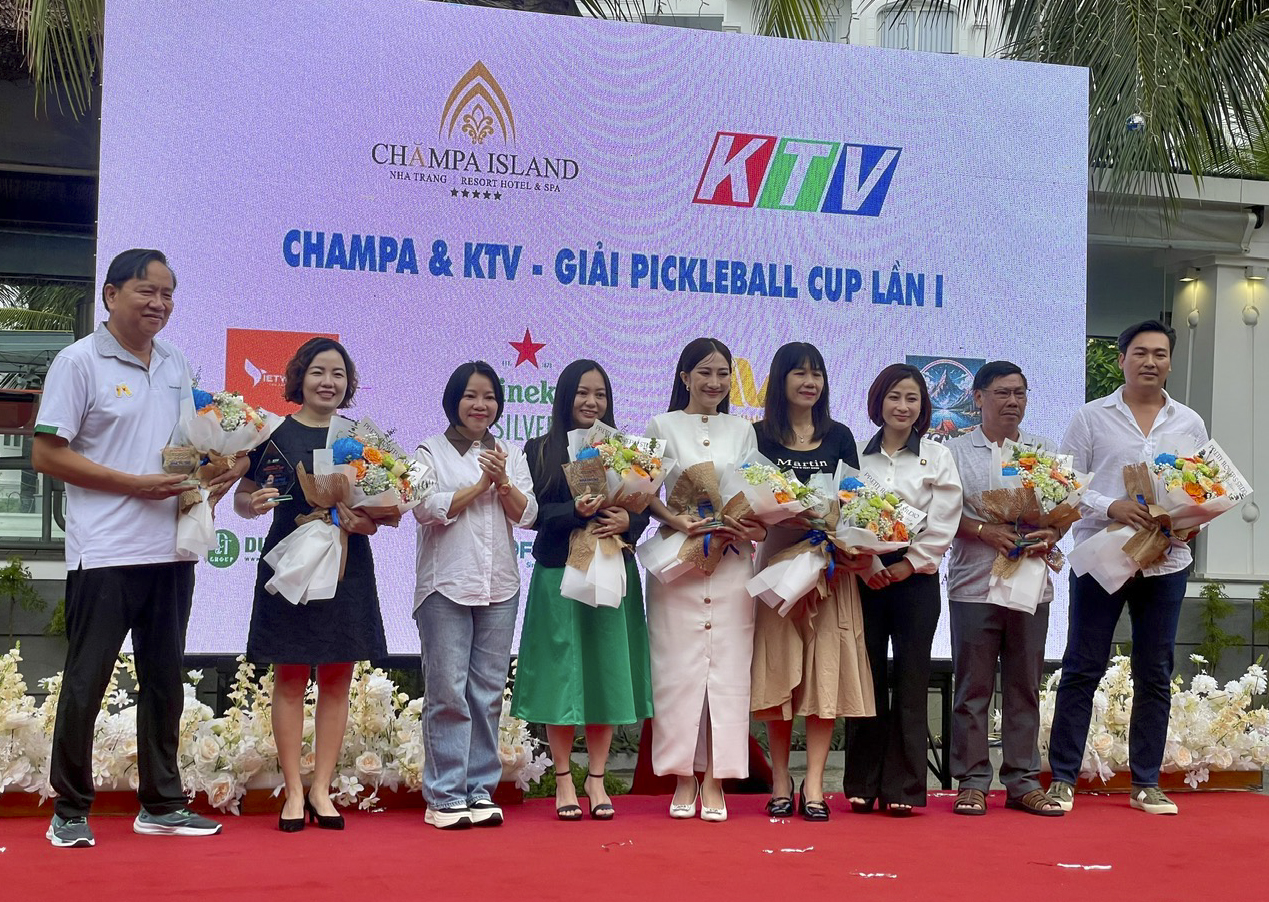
x=603 y=811
x=567 y=812
x=781 y=806
x=811 y=811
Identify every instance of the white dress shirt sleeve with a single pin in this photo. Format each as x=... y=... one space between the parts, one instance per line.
x=434 y=511
x=942 y=515
x=1078 y=442
x=518 y=473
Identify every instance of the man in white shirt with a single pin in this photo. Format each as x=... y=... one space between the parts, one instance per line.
x=110 y=403
x=984 y=633
x=1130 y=425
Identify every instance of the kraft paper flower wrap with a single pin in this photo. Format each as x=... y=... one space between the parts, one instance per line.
x=309 y=563
x=625 y=469
x=213 y=431
x=386 y=481
x=595 y=572
x=668 y=553
x=1114 y=555
x=1031 y=488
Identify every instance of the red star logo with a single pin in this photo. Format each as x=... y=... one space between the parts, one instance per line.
x=527 y=349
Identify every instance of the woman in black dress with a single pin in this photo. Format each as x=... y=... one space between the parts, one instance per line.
x=811 y=663
x=331 y=634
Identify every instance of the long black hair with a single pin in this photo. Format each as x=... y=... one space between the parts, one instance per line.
x=552 y=451
x=696 y=351
x=775 y=425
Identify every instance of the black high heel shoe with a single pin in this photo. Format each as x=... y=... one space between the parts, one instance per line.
x=291 y=824
x=781 y=806
x=604 y=810
x=861 y=805
x=324 y=821
x=811 y=811
x=566 y=812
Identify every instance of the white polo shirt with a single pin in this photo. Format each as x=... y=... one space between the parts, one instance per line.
x=116 y=412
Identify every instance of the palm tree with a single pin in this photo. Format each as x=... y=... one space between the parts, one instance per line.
x=39 y=307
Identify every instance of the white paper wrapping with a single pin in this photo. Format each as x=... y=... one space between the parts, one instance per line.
x=781 y=584
x=603 y=585
x=195 y=530
x=1022 y=590
x=659 y=555
x=306 y=563
x=1103 y=556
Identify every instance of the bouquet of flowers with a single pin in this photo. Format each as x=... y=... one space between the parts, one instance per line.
x=667 y=554
x=370 y=473
x=1031 y=488
x=625 y=470
x=1115 y=554
x=770 y=496
x=214 y=429
x=853 y=514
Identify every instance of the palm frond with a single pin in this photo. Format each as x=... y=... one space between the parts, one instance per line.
x=803 y=19
x=63 y=41
x=17 y=319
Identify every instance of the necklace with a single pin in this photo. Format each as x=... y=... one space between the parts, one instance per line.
x=801 y=439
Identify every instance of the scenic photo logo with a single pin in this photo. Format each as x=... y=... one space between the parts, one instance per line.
x=478 y=154
x=950 y=381
x=775 y=173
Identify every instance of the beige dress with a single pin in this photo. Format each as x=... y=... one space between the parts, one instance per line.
x=700 y=627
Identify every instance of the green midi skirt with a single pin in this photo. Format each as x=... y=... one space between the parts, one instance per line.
x=582 y=665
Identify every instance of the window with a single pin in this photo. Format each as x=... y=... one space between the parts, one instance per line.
x=917 y=29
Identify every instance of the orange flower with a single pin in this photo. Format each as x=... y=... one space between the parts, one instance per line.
x=1195 y=491
x=359 y=466
x=1026 y=462
x=900 y=531
x=373 y=455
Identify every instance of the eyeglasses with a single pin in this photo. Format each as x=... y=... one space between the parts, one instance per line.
x=1004 y=394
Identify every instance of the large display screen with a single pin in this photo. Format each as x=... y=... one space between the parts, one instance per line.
x=435 y=183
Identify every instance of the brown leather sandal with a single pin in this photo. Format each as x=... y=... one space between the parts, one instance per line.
x=1036 y=802
x=972 y=802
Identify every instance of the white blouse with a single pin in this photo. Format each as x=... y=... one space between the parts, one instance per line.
x=470 y=559
x=922 y=473
x=692 y=439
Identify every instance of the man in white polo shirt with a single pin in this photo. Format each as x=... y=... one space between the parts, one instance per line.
x=110 y=403
x=1125 y=427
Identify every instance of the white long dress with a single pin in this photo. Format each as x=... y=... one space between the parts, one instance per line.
x=700 y=627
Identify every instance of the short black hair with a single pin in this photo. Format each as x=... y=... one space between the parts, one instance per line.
x=775 y=424
x=997 y=369
x=457 y=384
x=132 y=264
x=888 y=379
x=297 y=366
x=1150 y=325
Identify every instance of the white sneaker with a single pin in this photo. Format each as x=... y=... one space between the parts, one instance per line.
x=448 y=818
x=1151 y=800
x=484 y=813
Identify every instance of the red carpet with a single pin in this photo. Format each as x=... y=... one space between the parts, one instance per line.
x=1213 y=850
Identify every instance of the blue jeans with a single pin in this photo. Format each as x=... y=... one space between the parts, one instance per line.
x=466 y=655
x=1154 y=606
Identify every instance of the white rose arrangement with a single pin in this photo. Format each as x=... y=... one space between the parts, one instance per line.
x=1210 y=728
x=222 y=757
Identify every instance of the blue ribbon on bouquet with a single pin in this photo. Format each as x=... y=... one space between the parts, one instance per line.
x=705 y=509
x=818 y=537
x=1141 y=499
x=334 y=516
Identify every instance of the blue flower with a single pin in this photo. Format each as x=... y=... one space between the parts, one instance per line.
x=201 y=398
x=851 y=484
x=587 y=454
x=347 y=449
x=1167 y=459
x=1008 y=471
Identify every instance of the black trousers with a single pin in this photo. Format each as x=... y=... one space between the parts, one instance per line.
x=152 y=600
x=886 y=754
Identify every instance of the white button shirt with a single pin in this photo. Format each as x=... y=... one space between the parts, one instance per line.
x=1104 y=438
x=923 y=474
x=470 y=559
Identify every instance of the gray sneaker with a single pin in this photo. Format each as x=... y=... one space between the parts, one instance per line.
x=1152 y=800
x=181 y=822
x=70 y=833
x=1063 y=793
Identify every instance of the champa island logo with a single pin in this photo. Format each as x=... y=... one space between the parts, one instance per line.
x=477 y=115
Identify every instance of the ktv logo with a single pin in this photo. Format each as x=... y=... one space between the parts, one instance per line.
x=797 y=174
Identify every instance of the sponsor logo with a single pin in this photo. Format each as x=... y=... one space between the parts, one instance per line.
x=476 y=115
x=527 y=349
x=122 y=390
x=775 y=173
x=950 y=381
x=255 y=364
x=227 y=549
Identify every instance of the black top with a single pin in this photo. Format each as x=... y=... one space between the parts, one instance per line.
x=838 y=444
x=348 y=627
x=557 y=515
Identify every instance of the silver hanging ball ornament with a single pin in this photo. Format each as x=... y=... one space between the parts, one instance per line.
x=1251 y=512
x=1193 y=319
x=1136 y=122
x=1251 y=315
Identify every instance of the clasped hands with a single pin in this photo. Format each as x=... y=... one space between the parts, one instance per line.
x=729 y=530
x=612 y=520
x=1012 y=541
